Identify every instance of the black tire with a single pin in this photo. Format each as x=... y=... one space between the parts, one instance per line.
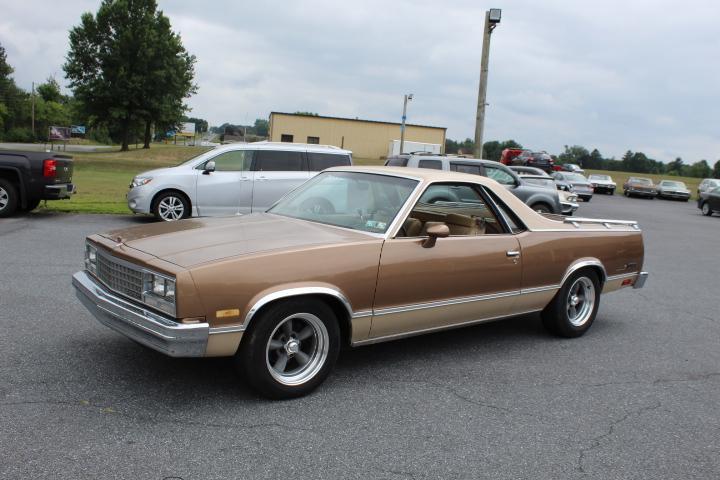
x=612 y=192
x=557 y=317
x=587 y=199
x=541 y=207
x=170 y=206
x=257 y=359
x=31 y=205
x=625 y=192
x=705 y=209
x=8 y=198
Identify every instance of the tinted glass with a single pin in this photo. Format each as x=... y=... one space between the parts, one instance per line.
x=540 y=182
x=465 y=168
x=360 y=201
x=397 y=162
x=321 y=161
x=575 y=177
x=235 y=161
x=645 y=181
x=274 y=161
x=433 y=164
x=499 y=175
x=516 y=226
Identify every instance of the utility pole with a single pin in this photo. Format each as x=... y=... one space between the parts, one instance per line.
x=492 y=19
x=32 y=94
x=402 y=125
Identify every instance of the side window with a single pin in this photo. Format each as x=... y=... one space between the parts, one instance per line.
x=396 y=162
x=465 y=168
x=513 y=222
x=278 y=161
x=460 y=206
x=233 y=161
x=286 y=138
x=433 y=164
x=321 y=161
x=499 y=175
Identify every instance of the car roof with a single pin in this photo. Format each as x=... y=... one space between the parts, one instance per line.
x=423 y=174
x=284 y=146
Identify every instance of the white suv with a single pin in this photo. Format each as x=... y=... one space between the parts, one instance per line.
x=231 y=180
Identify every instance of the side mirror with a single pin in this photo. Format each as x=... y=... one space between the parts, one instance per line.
x=209 y=167
x=435 y=232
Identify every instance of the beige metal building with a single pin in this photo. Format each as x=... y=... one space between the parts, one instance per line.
x=366 y=138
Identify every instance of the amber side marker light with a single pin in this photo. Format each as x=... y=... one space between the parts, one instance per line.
x=233 y=312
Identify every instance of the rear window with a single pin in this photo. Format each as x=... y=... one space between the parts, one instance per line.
x=278 y=161
x=465 y=168
x=321 y=161
x=396 y=162
x=433 y=164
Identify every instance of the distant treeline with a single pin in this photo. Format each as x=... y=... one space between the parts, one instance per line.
x=636 y=162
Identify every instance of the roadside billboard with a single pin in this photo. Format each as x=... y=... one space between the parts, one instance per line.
x=77 y=129
x=187 y=130
x=59 y=133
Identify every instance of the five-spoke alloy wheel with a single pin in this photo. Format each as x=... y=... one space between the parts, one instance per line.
x=289 y=348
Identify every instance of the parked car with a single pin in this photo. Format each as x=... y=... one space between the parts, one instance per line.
x=709 y=201
x=708 y=184
x=232 y=179
x=639 y=187
x=539 y=160
x=602 y=183
x=580 y=185
x=559 y=183
x=571 y=167
x=672 y=189
x=538 y=198
x=568 y=200
x=508 y=154
x=27 y=178
x=396 y=252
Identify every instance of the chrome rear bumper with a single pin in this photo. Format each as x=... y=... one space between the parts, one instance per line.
x=640 y=281
x=151 y=329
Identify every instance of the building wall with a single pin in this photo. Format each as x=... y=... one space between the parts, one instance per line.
x=366 y=139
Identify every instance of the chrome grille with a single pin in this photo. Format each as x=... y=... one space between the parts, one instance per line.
x=120 y=276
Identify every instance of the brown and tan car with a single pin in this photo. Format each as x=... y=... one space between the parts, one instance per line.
x=354 y=256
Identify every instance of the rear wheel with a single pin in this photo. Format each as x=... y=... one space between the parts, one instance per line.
x=8 y=198
x=290 y=348
x=572 y=311
x=171 y=206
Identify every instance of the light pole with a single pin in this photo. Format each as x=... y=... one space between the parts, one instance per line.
x=409 y=96
x=492 y=19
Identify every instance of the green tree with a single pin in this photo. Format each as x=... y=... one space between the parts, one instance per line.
x=676 y=166
x=575 y=154
x=262 y=127
x=127 y=68
x=50 y=91
x=716 y=170
x=309 y=114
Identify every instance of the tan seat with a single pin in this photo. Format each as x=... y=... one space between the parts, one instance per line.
x=465 y=225
x=411 y=227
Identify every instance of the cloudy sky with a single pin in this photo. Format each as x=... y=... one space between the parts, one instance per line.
x=642 y=75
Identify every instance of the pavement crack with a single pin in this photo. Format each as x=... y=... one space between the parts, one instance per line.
x=595 y=442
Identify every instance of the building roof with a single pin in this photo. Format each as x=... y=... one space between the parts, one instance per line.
x=354 y=120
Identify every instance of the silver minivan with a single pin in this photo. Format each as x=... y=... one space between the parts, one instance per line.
x=231 y=179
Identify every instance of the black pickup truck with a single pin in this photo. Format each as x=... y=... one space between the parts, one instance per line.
x=26 y=178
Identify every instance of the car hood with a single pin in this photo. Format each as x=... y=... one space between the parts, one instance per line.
x=196 y=241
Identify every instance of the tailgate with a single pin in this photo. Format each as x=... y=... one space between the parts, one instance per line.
x=63 y=168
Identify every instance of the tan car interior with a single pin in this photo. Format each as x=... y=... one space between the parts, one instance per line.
x=420 y=220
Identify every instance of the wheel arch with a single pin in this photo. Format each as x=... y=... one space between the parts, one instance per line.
x=332 y=297
x=593 y=264
x=170 y=189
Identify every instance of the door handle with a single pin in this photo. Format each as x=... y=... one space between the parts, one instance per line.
x=512 y=253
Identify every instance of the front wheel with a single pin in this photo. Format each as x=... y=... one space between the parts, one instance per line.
x=290 y=348
x=171 y=206
x=706 y=210
x=542 y=208
x=572 y=311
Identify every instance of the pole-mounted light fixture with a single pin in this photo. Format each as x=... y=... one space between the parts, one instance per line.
x=495 y=14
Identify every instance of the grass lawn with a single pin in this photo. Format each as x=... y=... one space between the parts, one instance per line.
x=621 y=177
x=102 y=178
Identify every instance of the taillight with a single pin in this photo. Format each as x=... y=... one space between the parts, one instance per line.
x=49 y=167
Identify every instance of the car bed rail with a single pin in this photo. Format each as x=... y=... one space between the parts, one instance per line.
x=576 y=221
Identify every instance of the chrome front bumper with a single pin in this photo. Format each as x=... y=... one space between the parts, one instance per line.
x=151 y=329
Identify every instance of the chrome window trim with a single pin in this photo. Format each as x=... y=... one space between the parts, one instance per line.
x=413 y=333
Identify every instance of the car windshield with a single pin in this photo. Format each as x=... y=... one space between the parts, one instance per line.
x=195 y=158
x=360 y=201
x=668 y=183
x=540 y=182
x=644 y=181
x=575 y=177
x=600 y=177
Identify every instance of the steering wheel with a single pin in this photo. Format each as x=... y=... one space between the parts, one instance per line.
x=317 y=205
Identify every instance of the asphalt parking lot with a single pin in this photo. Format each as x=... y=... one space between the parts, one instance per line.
x=637 y=397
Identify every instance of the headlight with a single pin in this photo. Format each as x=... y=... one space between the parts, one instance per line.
x=140 y=181
x=159 y=292
x=572 y=198
x=91 y=258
